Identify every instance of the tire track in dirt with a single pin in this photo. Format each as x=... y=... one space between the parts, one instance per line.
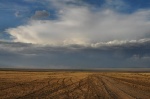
x=130 y=90
x=49 y=89
x=65 y=85
x=88 y=89
x=133 y=81
x=104 y=92
x=83 y=87
x=77 y=88
x=38 y=92
x=70 y=91
x=93 y=88
x=130 y=80
x=118 y=94
x=66 y=89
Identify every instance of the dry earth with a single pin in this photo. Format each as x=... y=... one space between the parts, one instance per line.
x=74 y=85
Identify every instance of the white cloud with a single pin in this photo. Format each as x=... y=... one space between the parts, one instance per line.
x=121 y=43
x=80 y=25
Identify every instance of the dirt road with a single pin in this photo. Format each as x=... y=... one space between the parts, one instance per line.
x=74 y=85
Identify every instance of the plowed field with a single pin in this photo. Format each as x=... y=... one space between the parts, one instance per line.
x=74 y=85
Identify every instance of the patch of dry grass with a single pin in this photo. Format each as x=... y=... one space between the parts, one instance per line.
x=82 y=85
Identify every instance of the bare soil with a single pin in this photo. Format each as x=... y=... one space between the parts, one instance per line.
x=74 y=85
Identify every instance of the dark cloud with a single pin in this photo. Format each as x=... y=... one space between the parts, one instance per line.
x=26 y=55
x=40 y=14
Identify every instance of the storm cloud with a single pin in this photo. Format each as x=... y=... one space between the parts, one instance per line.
x=40 y=14
x=105 y=55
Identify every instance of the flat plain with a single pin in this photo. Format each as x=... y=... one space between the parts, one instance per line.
x=74 y=85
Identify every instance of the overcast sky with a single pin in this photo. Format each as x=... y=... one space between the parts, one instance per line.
x=75 y=34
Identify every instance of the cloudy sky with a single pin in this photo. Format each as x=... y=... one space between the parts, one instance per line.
x=75 y=34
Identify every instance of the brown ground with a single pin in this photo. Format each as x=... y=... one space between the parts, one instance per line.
x=74 y=85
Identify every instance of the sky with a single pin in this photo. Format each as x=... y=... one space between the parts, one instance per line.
x=74 y=34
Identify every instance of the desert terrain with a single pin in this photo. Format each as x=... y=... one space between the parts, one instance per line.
x=74 y=85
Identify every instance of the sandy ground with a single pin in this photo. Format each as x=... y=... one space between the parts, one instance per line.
x=74 y=85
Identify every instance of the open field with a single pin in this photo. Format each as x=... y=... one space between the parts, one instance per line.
x=74 y=85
